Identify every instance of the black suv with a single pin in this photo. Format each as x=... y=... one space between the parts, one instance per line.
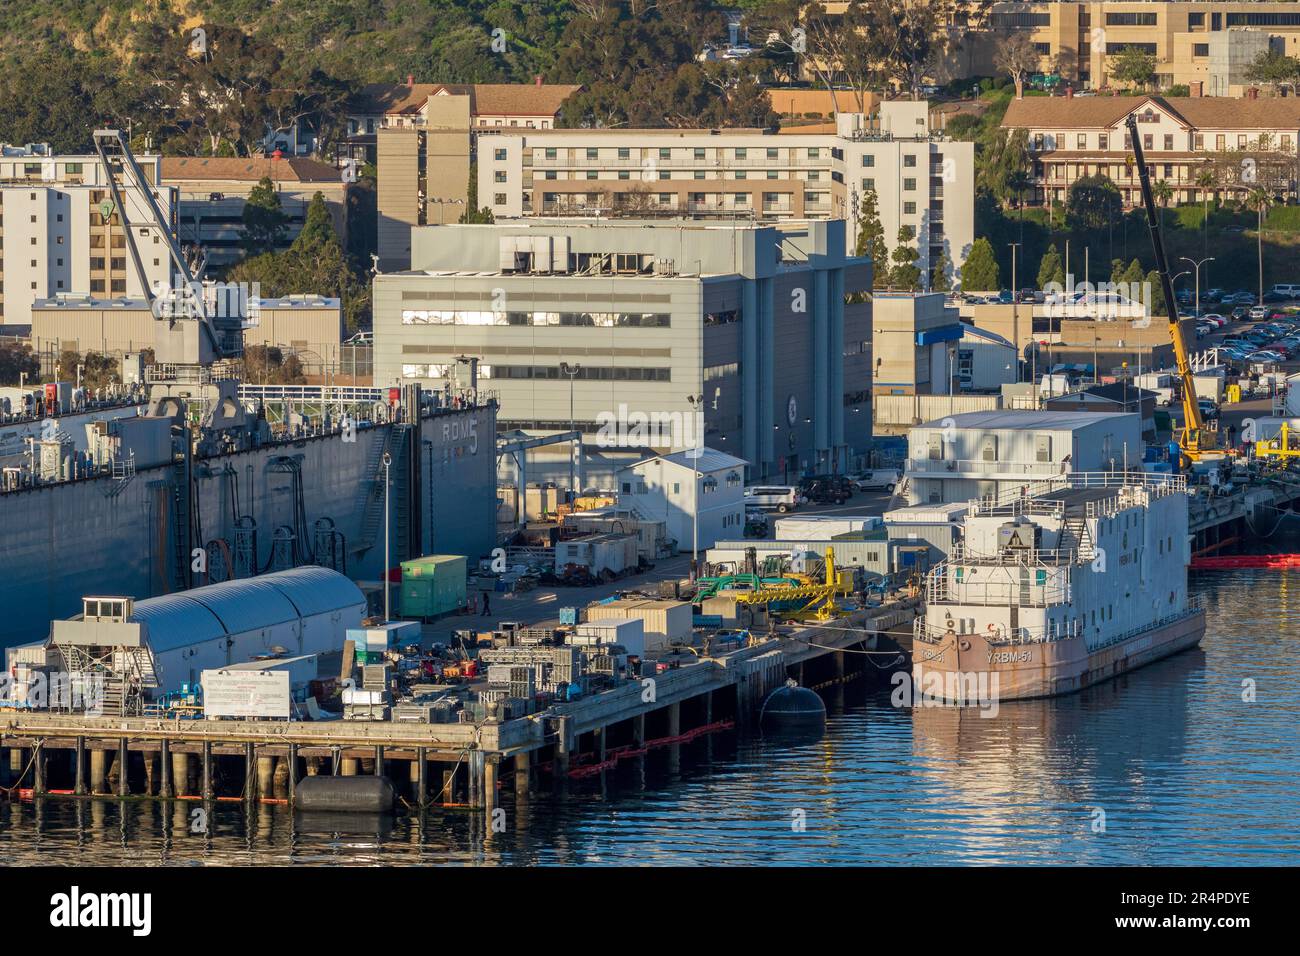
x=826 y=489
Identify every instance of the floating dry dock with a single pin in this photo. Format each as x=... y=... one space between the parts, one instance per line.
x=444 y=764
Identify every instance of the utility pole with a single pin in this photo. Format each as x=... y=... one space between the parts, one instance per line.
x=388 y=460
x=572 y=372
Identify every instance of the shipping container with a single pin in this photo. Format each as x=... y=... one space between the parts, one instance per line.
x=600 y=553
x=627 y=631
x=665 y=622
x=432 y=585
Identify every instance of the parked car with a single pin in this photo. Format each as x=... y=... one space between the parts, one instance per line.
x=886 y=479
x=1209 y=408
x=1239 y=313
x=1215 y=318
x=756 y=524
x=1258 y=312
x=780 y=498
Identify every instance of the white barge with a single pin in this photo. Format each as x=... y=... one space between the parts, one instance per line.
x=1056 y=586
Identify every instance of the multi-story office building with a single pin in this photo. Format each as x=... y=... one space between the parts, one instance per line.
x=922 y=182
x=1241 y=144
x=1078 y=40
x=213 y=191
x=627 y=329
x=60 y=233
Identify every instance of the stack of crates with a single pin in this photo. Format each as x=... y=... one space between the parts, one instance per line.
x=372 y=642
x=433 y=585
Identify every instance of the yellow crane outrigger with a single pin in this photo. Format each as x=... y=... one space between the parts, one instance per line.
x=817 y=601
x=1194 y=440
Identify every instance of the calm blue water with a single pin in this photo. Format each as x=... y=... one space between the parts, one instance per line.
x=1184 y=771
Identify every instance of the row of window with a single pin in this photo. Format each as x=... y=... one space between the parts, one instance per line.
x=623 y=175
x=554 y=372
x=666 y=153
x=1222 y=141
x=667 y=199
x=605 y=320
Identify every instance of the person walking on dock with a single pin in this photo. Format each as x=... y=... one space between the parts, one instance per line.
x=486 y=608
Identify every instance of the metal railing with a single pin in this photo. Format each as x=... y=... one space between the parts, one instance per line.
x=1049 y=633
x=1024 y=499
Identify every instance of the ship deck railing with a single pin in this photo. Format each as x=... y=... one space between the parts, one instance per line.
x=1018 y=557
x=1194 y=606
x=1028 y=500
x=1050 y=633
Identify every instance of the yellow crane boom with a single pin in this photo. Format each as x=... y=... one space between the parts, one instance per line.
x=1195 y=440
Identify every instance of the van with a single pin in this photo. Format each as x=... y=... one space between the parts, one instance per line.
x=881 y=478
x=783 y=498
x=1290 y=290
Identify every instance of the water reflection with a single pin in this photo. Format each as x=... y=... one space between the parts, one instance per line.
x=1182 y=769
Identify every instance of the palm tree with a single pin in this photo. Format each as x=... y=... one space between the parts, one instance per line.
x=1206 y=180
x=1017 y=182
x=1163 y=193
x=1259 y=200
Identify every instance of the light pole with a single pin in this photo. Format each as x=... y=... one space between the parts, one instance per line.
x=1015 y=305
x=572 y=372
x=1197 y=266
x=388 y=460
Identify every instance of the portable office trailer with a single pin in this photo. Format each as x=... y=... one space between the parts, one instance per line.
x=822 y=528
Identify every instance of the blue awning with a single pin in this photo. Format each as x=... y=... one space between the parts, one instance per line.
x=944 y=333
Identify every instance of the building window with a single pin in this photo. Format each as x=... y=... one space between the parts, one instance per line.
x=909 y=209
x=868 y=161
x=868 y=184
x=499 y=176
x=1200 y=49
x=1130 y=19
x=1081 y=141
x=909 y=185
x=624 y=174
x=742 y=174
x=1103 y=141
x=549 y=153
x=813 y=152
x=741 y=153
x=592 y=174
x=500 y=199
x=909 y=161
x=699 y=174
x=593 y=153
x=665 y=153
x=699 y=152
x=624 y=153
x=499 y=154
x=550 y=174
x=771 y=153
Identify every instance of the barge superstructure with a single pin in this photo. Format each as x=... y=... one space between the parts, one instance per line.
x=1059 y=585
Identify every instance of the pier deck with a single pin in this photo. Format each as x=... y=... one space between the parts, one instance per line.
x=569 y=740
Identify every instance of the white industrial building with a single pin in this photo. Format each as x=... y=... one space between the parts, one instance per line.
x=648 y=337
x=679 y=488
x=55 y=238
x=303 y=611
x=982 y=454
x=985 y=361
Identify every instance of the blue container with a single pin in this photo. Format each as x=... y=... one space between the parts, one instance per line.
x=568 y=615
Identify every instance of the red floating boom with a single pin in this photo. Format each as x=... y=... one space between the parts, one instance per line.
x=1230 y=561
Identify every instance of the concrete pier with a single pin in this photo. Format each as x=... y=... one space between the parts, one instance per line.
x=452 y=764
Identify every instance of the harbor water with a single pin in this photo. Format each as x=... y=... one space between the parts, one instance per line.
x=1188 y=761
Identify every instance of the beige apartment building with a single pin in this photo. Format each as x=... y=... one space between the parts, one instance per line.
x=59 y=232
x=1237 y=144
x=922 y=181
x=1186 y=38
x=1189 y=39
x=213 y=190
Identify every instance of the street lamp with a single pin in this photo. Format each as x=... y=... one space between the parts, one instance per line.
x=697 y=403
x=1015 y=304
x=388 y=460
x=572 y=372
x=1197 y=266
